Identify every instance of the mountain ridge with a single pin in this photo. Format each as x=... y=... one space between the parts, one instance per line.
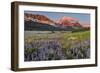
x=41 y=21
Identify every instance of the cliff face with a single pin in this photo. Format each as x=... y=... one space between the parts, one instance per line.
x=68 y=21
x=38 y=18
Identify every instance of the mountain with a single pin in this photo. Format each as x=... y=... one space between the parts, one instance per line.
x=42 y=22
x=86 y=26
x=38 y=18
x=68 y=21
x=39 y=22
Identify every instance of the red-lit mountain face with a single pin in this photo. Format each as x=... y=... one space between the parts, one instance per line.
x=38 y=18
x=86 y=26
x=68 y=21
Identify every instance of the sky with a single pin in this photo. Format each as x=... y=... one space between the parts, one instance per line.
x=82 y=17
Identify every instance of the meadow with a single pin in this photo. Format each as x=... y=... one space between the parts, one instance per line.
x=56 y=45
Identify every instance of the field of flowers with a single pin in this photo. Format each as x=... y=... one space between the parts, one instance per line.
x=57 y=45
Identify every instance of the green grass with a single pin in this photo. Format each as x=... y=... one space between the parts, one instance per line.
x=77 y=35
x=65 y=38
